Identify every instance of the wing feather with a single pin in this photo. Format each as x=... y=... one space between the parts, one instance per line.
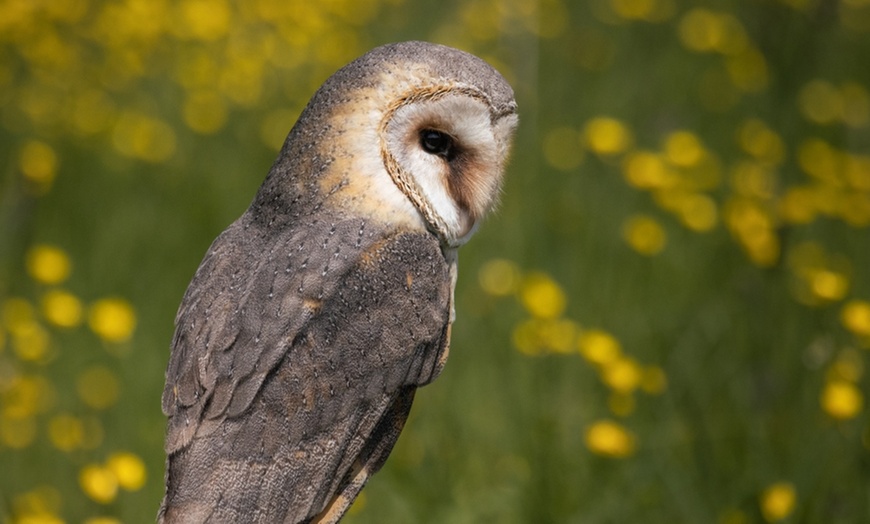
x=293 y=367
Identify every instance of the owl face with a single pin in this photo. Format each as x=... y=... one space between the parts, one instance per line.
x=445 y=147
x=412 y=135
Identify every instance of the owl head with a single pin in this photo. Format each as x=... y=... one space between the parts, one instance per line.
x=413 y=134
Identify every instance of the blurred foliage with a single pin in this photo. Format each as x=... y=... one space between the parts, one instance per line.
x=668 y=319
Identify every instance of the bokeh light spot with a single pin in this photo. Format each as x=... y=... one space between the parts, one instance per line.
x=112 y=319
x=48 y=264
x=778 y=501
x=38 y=163
x=607 y=136
x=98 y=387
x=62 y=308
x=542 y=296
x=644 y=234
x=66 y=432
x=499 y=277
x=129 y=470
x=610 y=439
x=99 y=483
x=841 y=399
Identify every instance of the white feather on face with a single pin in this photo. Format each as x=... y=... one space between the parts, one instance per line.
x=453 y=189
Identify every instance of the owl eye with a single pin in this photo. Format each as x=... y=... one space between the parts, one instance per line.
x=437 y=143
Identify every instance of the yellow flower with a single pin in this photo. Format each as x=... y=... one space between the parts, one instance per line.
x=62 y=308
x=129 y=469
x=542 y=296
x=683 y=149
x=855 y=316
x=499 y=277
x=820 y=102
x=17 y=433
x=623 y=375
x=653 y=380
x=66 y=432
x=99 y=483
x=599 y=347
x=644 y=234
x=646 y=170
x=48 y=264
x=98 y=387
x=841 y=399
x=607 y=136
x=610 y=439
x=778 y=501
x=113 y=319
x=38 y=163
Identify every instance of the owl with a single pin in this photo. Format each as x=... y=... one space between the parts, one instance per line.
x=316 y=315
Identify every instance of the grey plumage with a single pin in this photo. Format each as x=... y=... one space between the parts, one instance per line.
x=312 y=319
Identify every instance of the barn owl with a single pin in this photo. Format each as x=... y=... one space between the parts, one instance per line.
x=315 y=316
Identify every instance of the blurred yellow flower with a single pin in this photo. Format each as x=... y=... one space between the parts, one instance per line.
x=703 y=30
x=98 y=387
x=39 y=505
x=18 y=315
x=113 y=319
x=66 y=432
x=26 y=395
x=683 y=148
x=644 y=234
x=761 y=142
x=653 y=380
x=48 y=264
x=748 y=70
x=848 y=366
x=542 y=296
x=527 y=337
x=607 y=136
x=856 y=104
x=623 y=375
x=697 y=211
x=206 y=20
x=647 y=170
x=499 y=277
x=610 y=439
x=855 y=316
x=18 y=432
x=647 y=10
x=61 y=308
x=829 y=285
x=857 y=171
x=129 y=470
x=144 y=137
x=31 y=342
x=562 y=148
x=778 y=501
x=820 y=102
x=38 y=163
x=797 y=205
x=754 y=180
x=599 y=347
x=842 y=400
x=205 y=111
x=99 y=483
x=820 y=160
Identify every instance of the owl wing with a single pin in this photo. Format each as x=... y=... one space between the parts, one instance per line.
x=287 y=388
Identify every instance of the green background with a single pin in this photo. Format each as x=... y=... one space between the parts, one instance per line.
x=163 y=118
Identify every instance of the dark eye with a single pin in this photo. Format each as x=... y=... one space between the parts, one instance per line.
x=437 y=143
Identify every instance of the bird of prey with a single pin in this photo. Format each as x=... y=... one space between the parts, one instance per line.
x=316 y=315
